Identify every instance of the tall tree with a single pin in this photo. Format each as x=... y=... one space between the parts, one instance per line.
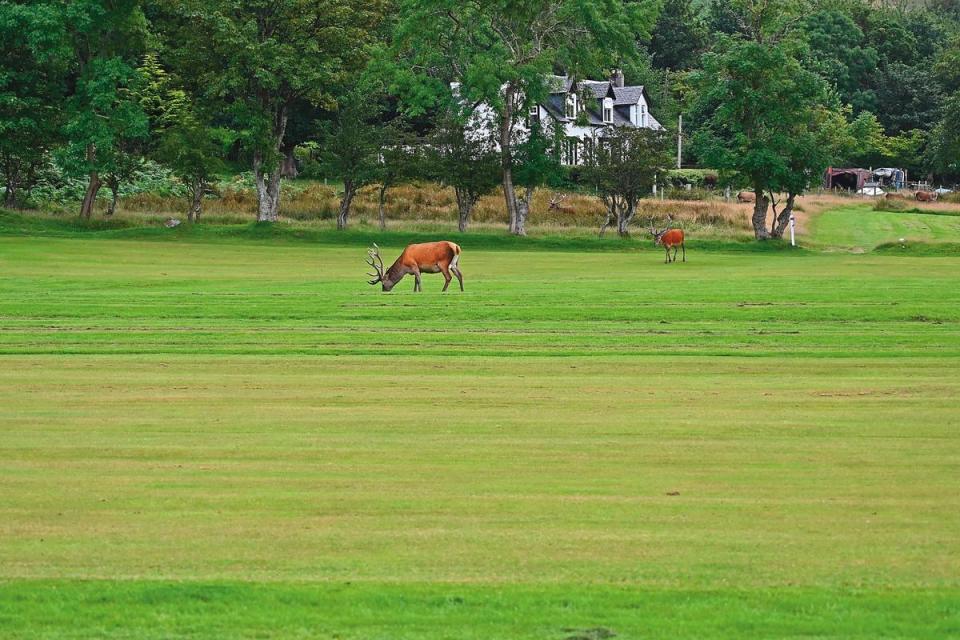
x=350 y=146
x=32 y=72
x=622 y=167
x=943 y=153
x=766 y=120
x=467 y=163
x=104 y=120
x=838 y=52
x=679 y=36
x=537 y=163
x=254 y=61
x=500 y=51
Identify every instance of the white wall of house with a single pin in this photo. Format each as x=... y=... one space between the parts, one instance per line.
x=483 y=123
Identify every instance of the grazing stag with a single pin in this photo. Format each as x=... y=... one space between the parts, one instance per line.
x=746 y=196
x=670 y=239
x=926 y=196
x=430 y=257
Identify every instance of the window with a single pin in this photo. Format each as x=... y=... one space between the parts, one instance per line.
x=572 y=106
x=643 y=115
x=572 y=151
x=607 y=110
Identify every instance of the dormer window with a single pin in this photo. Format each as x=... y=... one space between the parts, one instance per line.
x=572 y=106
x=608 y=110
x=643 y=115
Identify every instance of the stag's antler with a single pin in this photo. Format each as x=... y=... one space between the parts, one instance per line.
x=373 y=254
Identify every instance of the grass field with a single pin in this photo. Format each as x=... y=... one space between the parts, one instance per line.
x=237 y=437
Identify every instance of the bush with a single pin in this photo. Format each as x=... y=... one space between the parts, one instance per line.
x=886 y=204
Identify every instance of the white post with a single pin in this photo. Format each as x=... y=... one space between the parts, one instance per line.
x=793 y=223
x=679 y=140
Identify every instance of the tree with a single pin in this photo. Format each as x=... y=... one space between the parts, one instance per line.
x=31 y=87
x=192 y=150
x=907 y=98
x=679 y=36
x=767 y=120
x=499 y=51
x=537 y=163
x=350 y=147
x=838 y=53
x=182 y=137
x=943 y=153
x=468 y=163
x=104 y=120
x=399 y=160
x=254 y=62
x=622 y=166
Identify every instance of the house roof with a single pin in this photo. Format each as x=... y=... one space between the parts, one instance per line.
x=628 y=95
x=600 y=89
x=623 y=97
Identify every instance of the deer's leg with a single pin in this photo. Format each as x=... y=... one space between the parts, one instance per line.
x=456 y=271
x=667 y=259
x=446 y=275
x=683 y=245
x=675 y=249
x=416 y=281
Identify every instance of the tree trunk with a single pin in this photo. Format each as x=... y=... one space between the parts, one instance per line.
x=268 y=190
x=380 y=213
x=465 y=203
x=289 y=168
x=612 y=215
x=506 y=161
x=344 y=213
x=782 y=220
x=196 y=201
x=10 y=194
x=760 y=215
x=626 y=217
x=523 y=210
x=90 y=197
x=268 y=181
x=114 y=185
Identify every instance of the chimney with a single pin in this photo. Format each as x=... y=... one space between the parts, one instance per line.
x=616 y=78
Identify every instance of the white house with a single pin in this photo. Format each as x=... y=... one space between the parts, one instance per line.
x=585 y=110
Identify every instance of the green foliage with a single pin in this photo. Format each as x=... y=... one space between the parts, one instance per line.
x=621 y=167
x=514 y=43
x=104 y=120
x=943 y=153
x=679 y=36
x=469 y=164
x=30 y=93
x=537 y=157
x=58 y=189
x=765 y=118
x=837 y=51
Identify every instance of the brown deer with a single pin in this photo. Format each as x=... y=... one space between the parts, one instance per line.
x=926 y=196
x=670 y=238
x=746 y=196
x=429 y=257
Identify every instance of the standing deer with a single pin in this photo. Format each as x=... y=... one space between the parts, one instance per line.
x=429 y=257
x=670 y=238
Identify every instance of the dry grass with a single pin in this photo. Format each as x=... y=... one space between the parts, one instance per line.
x=429 y=202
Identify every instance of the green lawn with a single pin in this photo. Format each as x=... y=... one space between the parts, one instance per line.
x=236 y=438
x=858 y=227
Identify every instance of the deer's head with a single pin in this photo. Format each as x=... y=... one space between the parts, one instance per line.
x=381 y=275
x=657 y=235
